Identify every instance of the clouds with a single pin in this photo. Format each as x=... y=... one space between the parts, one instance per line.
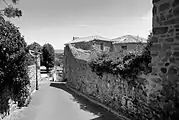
x=57 y=21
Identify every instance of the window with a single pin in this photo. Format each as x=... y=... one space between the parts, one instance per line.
x=124 y=47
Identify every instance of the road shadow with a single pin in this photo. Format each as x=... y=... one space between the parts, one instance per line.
x=86 y=105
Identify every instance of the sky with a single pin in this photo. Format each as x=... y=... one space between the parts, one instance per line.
x=58 y=21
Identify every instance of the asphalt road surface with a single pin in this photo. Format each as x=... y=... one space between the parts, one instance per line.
x=53 y=101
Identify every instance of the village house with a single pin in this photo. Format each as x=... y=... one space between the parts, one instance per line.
x=128 y=42
x=97 y=43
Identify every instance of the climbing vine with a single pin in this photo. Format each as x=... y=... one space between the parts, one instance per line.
x=127 y=64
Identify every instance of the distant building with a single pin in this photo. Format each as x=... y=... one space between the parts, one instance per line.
x=92 y=43
x=128 y=42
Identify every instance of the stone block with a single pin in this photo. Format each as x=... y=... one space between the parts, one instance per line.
x=172 y=73
x=164 y=6
x=155 y=70
x=175 y=48
x=174 y=20
x=166 y=46
x=168 y=53
x=176 y=26
x=172 y=59
x=156 y=47
x=155 y=1
x=169 y=16
x=171 y=30
x=164 y=59
x=154 y=10
x=162 y=17
x=154 y=53
x=169 y=22
x=169 y=40
x=160 y=30
x=154 y=39
x=176 y=11
x=160 y=63
x=176 y=53
x=162 y=54
x=175 y=3
x=152 y=64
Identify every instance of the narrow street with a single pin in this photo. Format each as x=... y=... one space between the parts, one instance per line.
x=53 y=101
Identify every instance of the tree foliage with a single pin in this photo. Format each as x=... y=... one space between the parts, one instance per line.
x=37 y=48
x=14 y=79
x=128 y=64
x=58 y=59
x=10 y=11
x=48 y=56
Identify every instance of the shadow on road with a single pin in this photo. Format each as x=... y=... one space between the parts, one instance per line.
x=86 y=105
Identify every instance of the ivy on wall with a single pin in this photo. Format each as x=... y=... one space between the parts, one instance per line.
x=127 y=64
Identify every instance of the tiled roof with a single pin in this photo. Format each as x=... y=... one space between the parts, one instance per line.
x=129 y=39
x=88 y=39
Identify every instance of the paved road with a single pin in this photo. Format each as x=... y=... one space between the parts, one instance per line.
x=53 y=101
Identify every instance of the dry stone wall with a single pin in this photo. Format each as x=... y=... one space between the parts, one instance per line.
x=110 y=90
x=32 y=76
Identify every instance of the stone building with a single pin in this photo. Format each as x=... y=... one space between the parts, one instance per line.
x=127 y=42
x=97 y=43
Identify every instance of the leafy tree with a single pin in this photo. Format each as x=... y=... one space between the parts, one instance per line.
x=58 y=59
x=36 y=47
x=14 y=80
x=48 y=56
x=9 y=11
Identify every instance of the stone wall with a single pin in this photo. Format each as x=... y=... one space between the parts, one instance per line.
x=165 y=54
x=110 y=90
x=32 y=76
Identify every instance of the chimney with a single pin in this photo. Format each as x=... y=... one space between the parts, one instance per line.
x=74 y=38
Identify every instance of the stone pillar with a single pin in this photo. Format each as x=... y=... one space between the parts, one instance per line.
x=165 y=50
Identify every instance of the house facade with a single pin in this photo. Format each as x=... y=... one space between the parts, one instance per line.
x=96 y=43
x=128 y=42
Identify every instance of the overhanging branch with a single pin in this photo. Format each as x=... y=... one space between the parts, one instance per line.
x=5 y=2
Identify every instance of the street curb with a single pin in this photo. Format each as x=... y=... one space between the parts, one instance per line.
x=98 y=103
